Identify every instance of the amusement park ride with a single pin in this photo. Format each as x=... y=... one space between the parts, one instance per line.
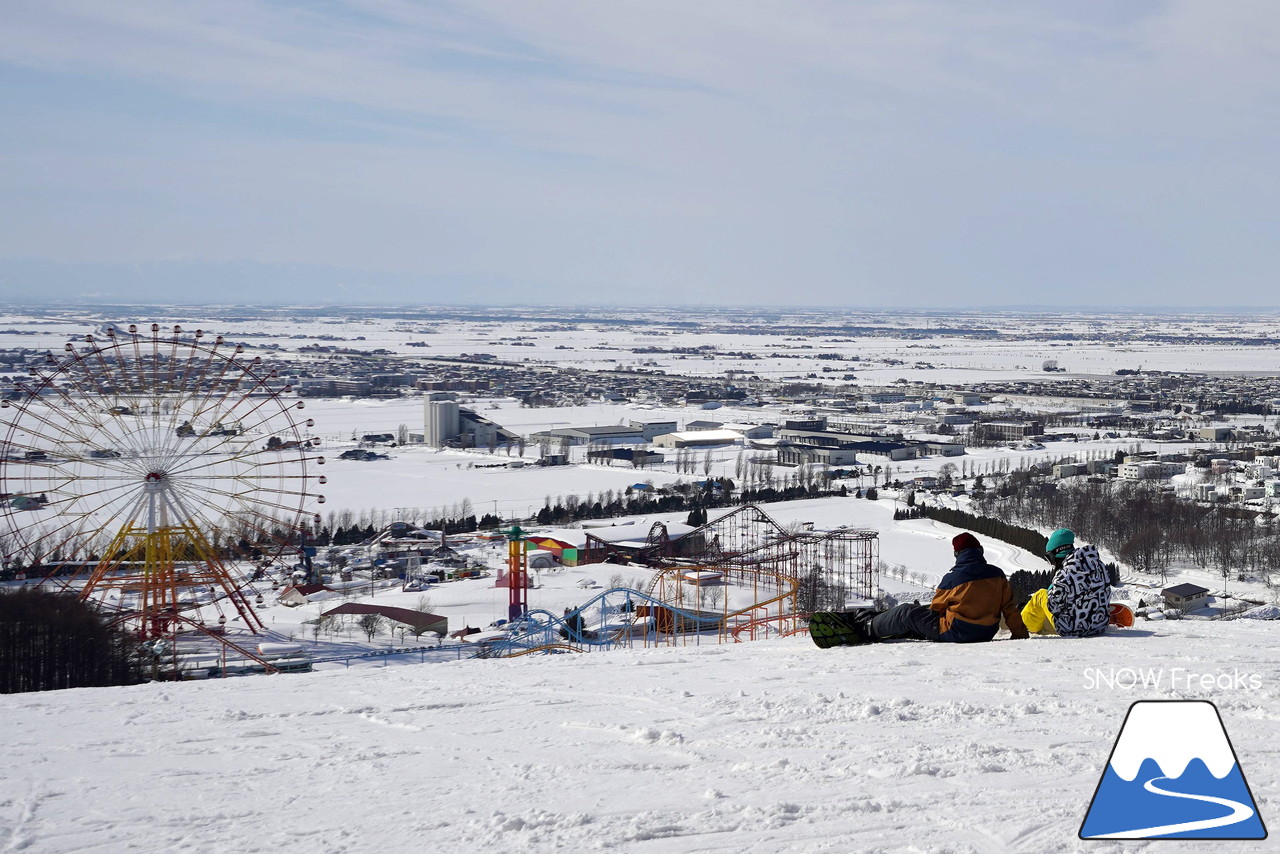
x=146 y=471
x=741 y=576
x=139 y=469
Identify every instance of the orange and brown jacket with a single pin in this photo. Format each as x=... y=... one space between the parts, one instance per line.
x=970 y=599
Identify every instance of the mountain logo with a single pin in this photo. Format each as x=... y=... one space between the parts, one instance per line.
x=1173 y=774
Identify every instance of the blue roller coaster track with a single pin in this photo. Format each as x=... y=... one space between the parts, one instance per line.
x=608 y=613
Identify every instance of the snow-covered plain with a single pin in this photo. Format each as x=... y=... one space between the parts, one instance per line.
x=1013 y=344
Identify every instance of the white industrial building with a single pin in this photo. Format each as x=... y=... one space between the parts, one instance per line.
x=749 y=431
x=649 y=430
x=795 y=455
x=441 y=422
x=1149 y=470
x=445 y=422
x=608 y=434
x=1205 y=492
x=698 y=439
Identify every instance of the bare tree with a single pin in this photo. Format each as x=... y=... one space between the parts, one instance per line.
x=371 y=624
x=423 y=606
x=715 y=595
x=317 y=625
x=1143 y=550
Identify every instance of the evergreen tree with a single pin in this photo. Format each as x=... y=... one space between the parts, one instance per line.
x=53 y=640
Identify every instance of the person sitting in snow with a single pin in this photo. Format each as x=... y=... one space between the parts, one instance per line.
x=966 y=608
x=1077 y=603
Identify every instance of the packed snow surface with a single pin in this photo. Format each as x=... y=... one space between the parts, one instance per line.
x=1263 y=612
x=759 y=747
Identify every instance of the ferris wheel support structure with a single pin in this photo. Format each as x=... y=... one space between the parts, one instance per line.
x=133 y=469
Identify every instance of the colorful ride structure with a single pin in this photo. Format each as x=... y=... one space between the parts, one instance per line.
x=170 y=470
x=740 y=577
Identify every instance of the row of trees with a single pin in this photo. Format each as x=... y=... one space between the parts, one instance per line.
x=997 y=529
x=983 y=526
x=692 y=498
x=379 y=518
x=1147 y=528
x=53 y=640
x=355 y=534
x=1025 y=583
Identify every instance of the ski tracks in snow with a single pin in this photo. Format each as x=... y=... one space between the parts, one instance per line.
x=25 y=807
x=748 y=748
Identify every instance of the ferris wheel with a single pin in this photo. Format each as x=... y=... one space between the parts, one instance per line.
x=145 y=470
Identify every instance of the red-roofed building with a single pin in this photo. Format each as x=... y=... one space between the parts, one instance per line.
x=419 y=621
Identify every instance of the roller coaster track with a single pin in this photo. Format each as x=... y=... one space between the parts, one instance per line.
x=552 y=632
x=549 y=648
x=798 y=626
x=786 y=583
x=555 y=630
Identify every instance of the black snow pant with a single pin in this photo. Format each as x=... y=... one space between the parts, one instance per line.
x=907 y=621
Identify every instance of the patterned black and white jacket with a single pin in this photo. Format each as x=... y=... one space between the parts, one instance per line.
x=1080 y=596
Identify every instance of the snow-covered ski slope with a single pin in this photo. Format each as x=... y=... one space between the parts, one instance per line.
x=756 y=747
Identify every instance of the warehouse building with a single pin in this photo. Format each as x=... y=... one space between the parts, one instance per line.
x=698 y=439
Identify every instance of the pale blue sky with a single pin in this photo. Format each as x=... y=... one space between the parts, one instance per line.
x=717 y=152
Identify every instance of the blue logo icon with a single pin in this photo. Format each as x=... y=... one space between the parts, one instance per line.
x=1173 y=774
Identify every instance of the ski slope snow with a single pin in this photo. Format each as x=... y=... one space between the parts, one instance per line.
x=755 y=747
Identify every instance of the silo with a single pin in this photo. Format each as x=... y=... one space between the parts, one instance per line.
x=441 y=422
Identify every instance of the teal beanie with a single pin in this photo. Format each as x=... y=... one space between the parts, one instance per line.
x=1061 y=543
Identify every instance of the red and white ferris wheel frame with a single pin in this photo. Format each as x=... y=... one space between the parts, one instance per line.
x=91 y=433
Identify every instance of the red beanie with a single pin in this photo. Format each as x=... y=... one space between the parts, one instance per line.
x=965 y=541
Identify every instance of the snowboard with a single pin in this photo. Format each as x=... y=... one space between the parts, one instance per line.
x=1120 y=616
x=835 y=628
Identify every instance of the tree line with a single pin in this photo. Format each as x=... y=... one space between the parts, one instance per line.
x=53 y=640
x=1024 y=582
x=1147 y=528
x=693 y=498
x=355 y=534
x=983 y=526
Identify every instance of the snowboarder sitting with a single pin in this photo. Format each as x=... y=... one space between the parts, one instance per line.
x=966 y=608
x=1077 y=603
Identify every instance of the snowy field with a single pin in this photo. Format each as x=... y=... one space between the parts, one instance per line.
x=1012 y=345
x=762 y=747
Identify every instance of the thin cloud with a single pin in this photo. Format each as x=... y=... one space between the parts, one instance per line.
x=984 y=153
